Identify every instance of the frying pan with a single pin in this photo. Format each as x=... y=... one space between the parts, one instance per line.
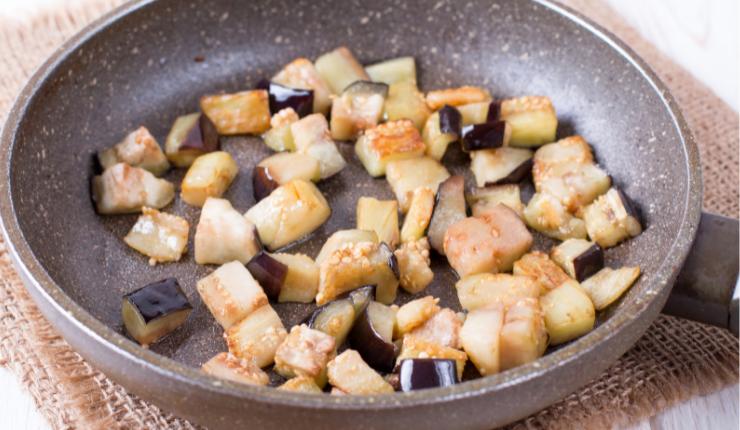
x=136 y=66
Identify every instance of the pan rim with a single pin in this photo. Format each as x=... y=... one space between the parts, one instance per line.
x=36 y=277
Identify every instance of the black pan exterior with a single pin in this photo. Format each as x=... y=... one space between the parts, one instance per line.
x=137 y=66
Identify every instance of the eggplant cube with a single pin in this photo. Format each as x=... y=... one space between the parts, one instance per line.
x=224 y=235
x=342 y=238
x=606 y=286
x=500 y=166
x=419 y=215
x=155 y=310
x=304 y=352
x=372 y=336
x=435 y=138
x=569 y=312
x=137 y=149
x=302 y=280
x=227 y=366
x=489 y=135
x=538 y=266
x=358 y=108
x=449 y=208
x=579 y=258
x=547 y=215
x=246 y=112
x=483 y=199
x=475 y=113
x=124 y=189
x=209 y=176
x=394 y=140
x=575 y=185
x=442 y=328
x=311 y=136
x=414 y=347
x=231 y=294
x=532 y=119
x=269 y=273
x=257 y=337
x=279 y=169
x=279 y=137
x=523 y=335
x=414 y=265
x=339 y=68
x=404 y=176
x=191 y=136
x=395 y=70
x=301 y=73
x=161 y=237
x=478 y=291
x=457 y=96
x=291 y=212
x=335 y=318
x=380 y=216
x=406 y=102
x=421 y=373
x=301 y=384
x=571 y=149
x=481 y=338
x=283 y=97
x=611 y=219
x=415 y=313
x=349 y=372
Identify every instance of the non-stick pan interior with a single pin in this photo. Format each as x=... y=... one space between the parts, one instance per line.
x=142 y=70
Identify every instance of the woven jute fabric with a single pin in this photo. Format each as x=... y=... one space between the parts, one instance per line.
x=675 y=360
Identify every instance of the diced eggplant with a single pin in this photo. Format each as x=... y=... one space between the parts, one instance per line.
x=301 y=384
x=414 y=265
x=339 y=68
x=404 y=176
x=415 y=313
x=406 y=102
x=301 y=73
x=231 y=293
x=575 y=185
x=380 y=216
x=483 y=199
x=124 y=189
x=342 y=238
x=414 y=347
x=441 y=129
x=569 y=313
x=571 y=149
x=161 y=237
x=418 y=216
x=281 y=97
x=355 y=265
x=359 y=108
x=538 y=266
x=489 y=243
x=523 y=335
x=311 y=136
x=257 y=336
x=443 y=328
x=289 y=213
x=606 y=286
x=305 y=352
x=611 y=218
x=475 y=113
x=372 y=335
x=227 y=366
x=137 y=149
x=457 y=96
x=361 y=297
x=335 y=318
x=488 y=135
x=391 y=141
x=500 y=166
x=395 y=70
x=350 y=374
x=589 y=254
x=302 y=281
x=421 y=373
x=449 y=208
x=547 y=215
x=191 y=136
x=281 y=168
x=481 y=338
x=532 y=119
x=279 y=137
x=210 y=175
x=246 y=112
x=478 y=291
x=224 y=235
x=494 y=111
x=155 y=310
x=269 y=273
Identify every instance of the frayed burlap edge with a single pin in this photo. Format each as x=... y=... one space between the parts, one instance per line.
x=675 y=360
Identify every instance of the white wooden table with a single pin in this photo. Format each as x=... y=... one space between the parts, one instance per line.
x=701 y=35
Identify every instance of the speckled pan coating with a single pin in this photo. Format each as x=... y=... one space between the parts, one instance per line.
x=137 y=66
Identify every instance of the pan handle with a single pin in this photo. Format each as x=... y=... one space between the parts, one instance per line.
x=707 y=288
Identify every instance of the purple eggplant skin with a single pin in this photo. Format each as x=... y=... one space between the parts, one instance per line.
x=310 y=320
x=360 y=297
x=202 y=137
x=262 y=183
x=376 y=352
x=269 y=273
x=450 y=121
x=421 y=373
x=158 y=299
x=488 y=135
x=392 y=261
x=629 y=205
x=494 y=111
x=588 y=263
x=282 y=97
x=517 y=175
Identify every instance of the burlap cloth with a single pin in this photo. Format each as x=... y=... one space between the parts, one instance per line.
x=675 y=360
